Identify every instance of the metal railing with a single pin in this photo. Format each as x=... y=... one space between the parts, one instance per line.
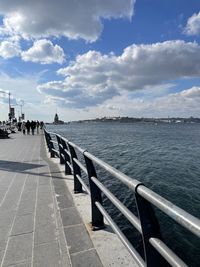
x=156 y=252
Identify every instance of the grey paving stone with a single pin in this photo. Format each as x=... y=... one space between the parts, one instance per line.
x=26 y=174
x=45 y=198
x=70 y=216
x=11 y=201
x=44 y=188
x=62 y=240
x=58 y=182
x=77 y=238
x=45 y=180
x=86 y=259
x=26 y=207
x=66 y=261
x=44 y=215
x=26 y=264
x=45 y=233
x=23 y=224
x=6 y=218
x=47 y=255
x=23 y=264
x=65 y=201
x=28 y=195
x=5 y=182
x=31 y=186
x=4 y=233
x=60 y=190
x=19 y=249
x=1 y=255
x=2 y=193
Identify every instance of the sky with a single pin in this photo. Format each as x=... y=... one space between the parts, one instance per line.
x=96 y=58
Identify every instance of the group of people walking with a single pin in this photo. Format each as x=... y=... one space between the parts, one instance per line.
x=31 y=126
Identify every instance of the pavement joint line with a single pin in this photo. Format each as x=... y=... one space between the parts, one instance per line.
x=83 y=251
x=34 y=219
x=24 y=233
x=8 y=189
x=3 y=258
x=56 y=219
x=61 y=227
x=67 y=208
x=44 y=243
x=73 y=225
x=19 y=262
x=56 y=209
x=16 y=214
x=27 y=213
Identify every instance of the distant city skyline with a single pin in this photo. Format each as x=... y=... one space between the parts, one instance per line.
x=89 y=59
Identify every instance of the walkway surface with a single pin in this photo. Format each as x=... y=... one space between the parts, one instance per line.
x=39 y=224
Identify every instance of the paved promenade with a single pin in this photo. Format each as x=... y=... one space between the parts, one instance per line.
x=37 y=215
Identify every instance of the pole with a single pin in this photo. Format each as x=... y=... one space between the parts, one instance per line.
x=9 y=112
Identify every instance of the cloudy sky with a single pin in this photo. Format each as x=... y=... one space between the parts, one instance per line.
x=95 y=58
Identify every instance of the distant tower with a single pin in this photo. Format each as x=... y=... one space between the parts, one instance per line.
x=56 y=119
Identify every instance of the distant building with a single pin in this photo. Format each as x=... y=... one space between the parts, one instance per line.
x=56 y=120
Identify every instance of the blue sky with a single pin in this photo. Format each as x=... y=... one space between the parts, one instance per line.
x=95 y=58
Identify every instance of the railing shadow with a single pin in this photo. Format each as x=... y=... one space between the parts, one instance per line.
x=15 y=166
x=23 y=167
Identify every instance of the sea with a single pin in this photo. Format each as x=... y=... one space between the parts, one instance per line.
x=163 y=156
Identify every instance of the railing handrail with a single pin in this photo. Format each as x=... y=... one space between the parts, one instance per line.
x=144 y=198
x=189 y=221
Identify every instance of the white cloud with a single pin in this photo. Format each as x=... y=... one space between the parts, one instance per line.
x=93 y=78
x=45 y=52
x=184 y=103
x=73 y=19
x=193 y=25
x=22 y=88
x=9 y=48
x=74 y=96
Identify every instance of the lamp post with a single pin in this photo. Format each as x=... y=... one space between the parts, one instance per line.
x=21 y=104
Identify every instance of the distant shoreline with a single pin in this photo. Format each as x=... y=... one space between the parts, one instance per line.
x=135 y=120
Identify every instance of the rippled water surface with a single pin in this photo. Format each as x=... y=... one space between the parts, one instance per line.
x=166 y=157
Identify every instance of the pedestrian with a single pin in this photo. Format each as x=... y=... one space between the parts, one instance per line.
x=19 y=126
x=33 y=126
x=23 y=127
x=41 y=125
x=28 y=125
x=37 y=126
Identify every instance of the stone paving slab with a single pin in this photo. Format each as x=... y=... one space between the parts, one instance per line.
x=77 y=238
x=81 y=248
x=30 y=234
x=23 y=224
x=47 y=254
x=86 y=259
x=39 y=223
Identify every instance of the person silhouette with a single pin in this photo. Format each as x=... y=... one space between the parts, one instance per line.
x=28 y=126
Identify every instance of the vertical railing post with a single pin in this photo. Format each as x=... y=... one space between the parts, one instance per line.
x=150 y=228
x=47 y=139
x=52 y=153
x=76 y=170
x=95 y=192
x=67 y=157
x=50 y=144
x=60 y=147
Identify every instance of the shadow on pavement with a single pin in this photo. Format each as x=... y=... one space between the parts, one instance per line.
x=17 y=166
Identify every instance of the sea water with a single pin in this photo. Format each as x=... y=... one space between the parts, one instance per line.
x=164 y=156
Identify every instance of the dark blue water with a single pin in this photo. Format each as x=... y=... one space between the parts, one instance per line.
x=166 y=157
